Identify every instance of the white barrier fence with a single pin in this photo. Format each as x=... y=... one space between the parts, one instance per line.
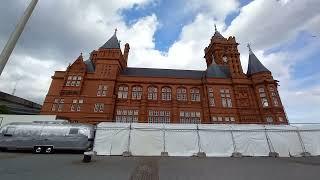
x=213 y=139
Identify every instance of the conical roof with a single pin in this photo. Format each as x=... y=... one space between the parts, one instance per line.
x=254 y=65
x=112 y=43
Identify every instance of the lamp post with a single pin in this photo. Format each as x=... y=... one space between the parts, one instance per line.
x=7 y=50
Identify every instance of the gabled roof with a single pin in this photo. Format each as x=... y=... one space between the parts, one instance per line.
x=218 y=71
x=171 y=73
x=112 y=43
x=254 y=65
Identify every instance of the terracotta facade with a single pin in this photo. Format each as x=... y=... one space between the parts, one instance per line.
x=103 y=88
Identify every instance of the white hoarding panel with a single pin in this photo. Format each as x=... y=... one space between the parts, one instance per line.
x=284 y=140
x=146 y=142
x=181 y=142
x=251 y=143
x=216 y=140
x=216 y=143
x=250 y=140
x=310 y=135
x=111 y=139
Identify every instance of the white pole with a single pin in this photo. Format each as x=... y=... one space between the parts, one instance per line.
x=7 y=50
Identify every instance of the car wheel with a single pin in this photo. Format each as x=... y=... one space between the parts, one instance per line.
x=37 y=149
x=49 y=150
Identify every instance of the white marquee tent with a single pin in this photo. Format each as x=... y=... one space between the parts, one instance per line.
x=213 y=139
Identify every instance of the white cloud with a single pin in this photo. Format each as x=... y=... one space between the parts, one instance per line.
x=268 y=23
x=218 y=9
x=32 y=76
x=58 y=27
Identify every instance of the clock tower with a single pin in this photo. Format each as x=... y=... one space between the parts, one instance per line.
x=222 y=51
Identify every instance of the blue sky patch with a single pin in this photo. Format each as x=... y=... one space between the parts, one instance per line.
x=171 y=17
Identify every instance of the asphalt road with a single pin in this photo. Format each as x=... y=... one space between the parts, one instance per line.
x=26 y=166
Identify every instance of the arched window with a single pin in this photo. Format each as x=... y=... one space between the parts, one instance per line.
x=263 y=97
x=136 y=92
x=226 y=98
x=152 y=93
x=211 y=97
x=274 y=96
x=182 y=94
x=195 y=94
x=123 y=92
x=166 y=93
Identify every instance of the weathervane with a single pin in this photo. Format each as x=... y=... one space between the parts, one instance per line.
x=115 y=31
x=249 y=46
x=215 y=27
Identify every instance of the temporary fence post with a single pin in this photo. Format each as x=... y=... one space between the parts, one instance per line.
x=128 y=153
x=272 y=152
x=199 y=154
x=235 y=153
x=164 y=152
x=304 y=151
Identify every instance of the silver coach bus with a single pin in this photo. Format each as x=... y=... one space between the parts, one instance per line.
x=46 y=136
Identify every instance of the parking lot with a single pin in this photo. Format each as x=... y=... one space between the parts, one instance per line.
x=27 y=166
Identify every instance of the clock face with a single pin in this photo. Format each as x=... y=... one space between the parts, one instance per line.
x=225 y=59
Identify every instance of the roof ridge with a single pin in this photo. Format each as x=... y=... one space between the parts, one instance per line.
x=166 y=69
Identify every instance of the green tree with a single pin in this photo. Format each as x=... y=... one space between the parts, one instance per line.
x=4 y=109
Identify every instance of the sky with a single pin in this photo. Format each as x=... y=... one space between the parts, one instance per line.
x=284 y=34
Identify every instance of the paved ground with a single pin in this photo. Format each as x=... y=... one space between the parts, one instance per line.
x=26 y=166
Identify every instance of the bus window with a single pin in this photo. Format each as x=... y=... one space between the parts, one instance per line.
x=73 y=131
x=9 y=131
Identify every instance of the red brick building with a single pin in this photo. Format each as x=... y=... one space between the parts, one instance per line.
x=103 y=88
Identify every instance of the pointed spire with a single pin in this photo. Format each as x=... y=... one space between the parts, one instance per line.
x=80 y=57
x=254 y=64
x=217 y=34
x=249 y=47
x=112 y=43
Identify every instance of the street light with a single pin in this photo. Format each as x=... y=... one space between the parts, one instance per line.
x=7 y=50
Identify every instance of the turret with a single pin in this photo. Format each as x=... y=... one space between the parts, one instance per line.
x=224 y=52
x=254 y=65
x=126 y=52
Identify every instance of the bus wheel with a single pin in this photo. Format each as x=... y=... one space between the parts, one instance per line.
x=49 y=150
x=37 y=149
